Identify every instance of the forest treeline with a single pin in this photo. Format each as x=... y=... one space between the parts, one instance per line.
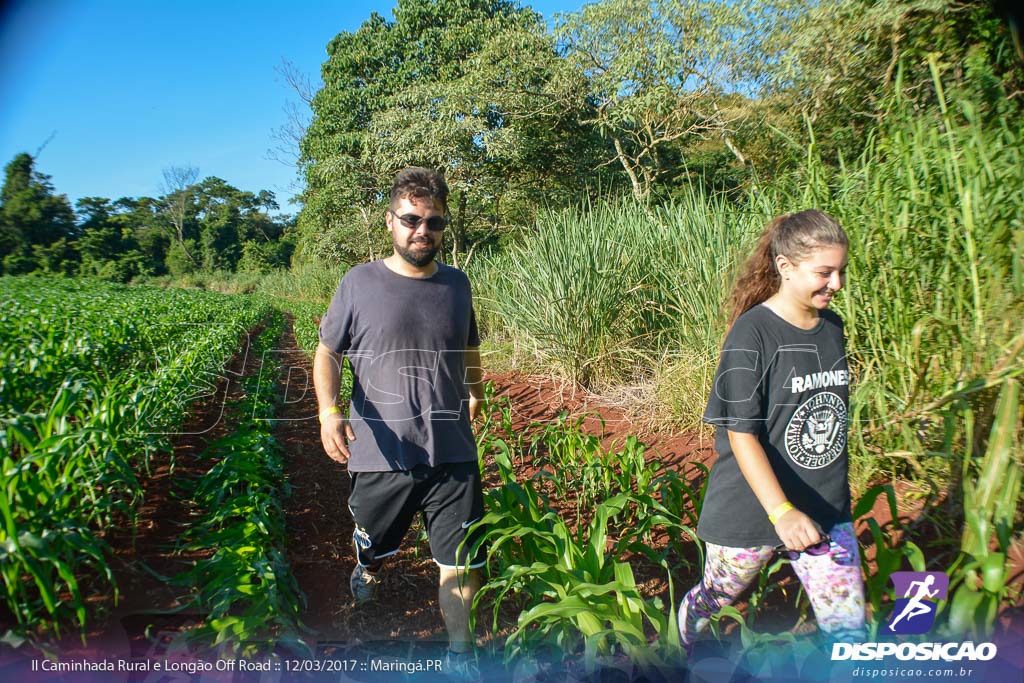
x=639 y=98
x=194 y=226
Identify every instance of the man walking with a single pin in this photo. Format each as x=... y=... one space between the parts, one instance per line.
x=407 y=325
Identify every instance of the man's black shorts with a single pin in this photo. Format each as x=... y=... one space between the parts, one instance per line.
x=450 y=496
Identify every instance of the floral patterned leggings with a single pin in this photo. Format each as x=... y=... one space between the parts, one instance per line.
x=832 y=581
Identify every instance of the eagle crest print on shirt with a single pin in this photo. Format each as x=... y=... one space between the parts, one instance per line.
x=816 y=434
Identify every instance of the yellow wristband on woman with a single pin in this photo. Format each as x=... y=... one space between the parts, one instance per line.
x=328 y=412
x=780 y=510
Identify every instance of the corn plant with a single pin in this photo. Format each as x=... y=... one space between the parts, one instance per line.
x=584 y=597
x=750 y=638
x=764 y=654
x=305 y=321
x=646 y=516
x=631 y=470
x=517 y=524
x=573 y=589
x=579 y=468
x=570 y=460
x=889 y=555
x=677 y=493
x=496 y=421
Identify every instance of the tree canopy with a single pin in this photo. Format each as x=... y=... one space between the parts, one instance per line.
x=36 y=224
x=474 y=88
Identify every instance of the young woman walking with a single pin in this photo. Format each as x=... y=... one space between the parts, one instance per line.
x=780 y=403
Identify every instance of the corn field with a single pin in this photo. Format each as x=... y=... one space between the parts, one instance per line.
x=96 y=378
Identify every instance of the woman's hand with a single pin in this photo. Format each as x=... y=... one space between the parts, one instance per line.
x=796 y=530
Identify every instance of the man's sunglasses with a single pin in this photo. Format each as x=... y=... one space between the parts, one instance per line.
x=819 y=548
x=412 y=221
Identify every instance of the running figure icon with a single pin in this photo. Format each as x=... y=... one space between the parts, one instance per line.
x=915 y=606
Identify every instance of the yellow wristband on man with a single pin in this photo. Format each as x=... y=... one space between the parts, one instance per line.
x=781 y=509
x=327 y=412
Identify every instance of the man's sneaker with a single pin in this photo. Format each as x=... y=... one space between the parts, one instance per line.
x=461 y=666
x=363 y=584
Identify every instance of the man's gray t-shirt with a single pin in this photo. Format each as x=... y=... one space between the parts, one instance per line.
x=405 y=339
x=790 y=387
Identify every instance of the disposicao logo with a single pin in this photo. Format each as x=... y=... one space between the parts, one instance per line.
x=917 y=596
x=913 y=614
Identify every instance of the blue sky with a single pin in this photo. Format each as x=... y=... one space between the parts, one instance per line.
x=127 y=89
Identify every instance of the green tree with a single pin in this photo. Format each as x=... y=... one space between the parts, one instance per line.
x=178 y=209
x=660 y=74
x=836 y=67
x=36 y=224
x=142 y=218
x=219 y=208
x=472 y=87
x=209 y=223
x=106 y=243
x=506 y=134
x=99 y=240
x=230 y=220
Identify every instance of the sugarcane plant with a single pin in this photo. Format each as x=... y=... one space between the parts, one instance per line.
x=979 y=577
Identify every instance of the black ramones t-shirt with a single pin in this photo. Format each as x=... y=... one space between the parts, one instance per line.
x=790 y=387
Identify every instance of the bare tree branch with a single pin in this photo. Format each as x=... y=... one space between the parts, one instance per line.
x=288 y=137
x=176 y=184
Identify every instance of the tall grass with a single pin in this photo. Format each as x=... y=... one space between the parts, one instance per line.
x=304 y=282
x=312 y=282
x=566 y=290
x=936 y=218
x=604 y=292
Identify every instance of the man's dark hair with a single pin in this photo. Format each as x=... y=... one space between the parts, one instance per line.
x=420 y=183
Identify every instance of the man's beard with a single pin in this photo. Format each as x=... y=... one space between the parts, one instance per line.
x=418 y=258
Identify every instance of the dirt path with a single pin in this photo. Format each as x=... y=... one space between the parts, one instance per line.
x=320 y=533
